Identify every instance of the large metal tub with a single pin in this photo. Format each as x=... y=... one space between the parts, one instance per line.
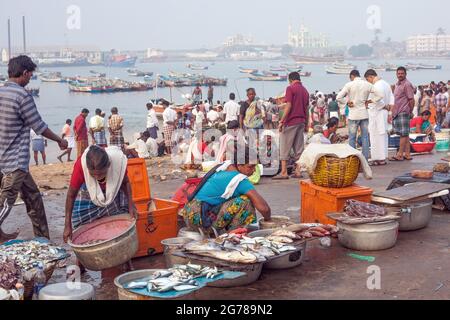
x=416 y=216
x=252 y=271
x=125 y=278
x=285 y=260
x=172 y=245
x=110 y=253
x=186 y=233
x=369 y=236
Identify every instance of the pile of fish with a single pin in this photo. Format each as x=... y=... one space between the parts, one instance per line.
x=238 y=248
x=26 y=255
x=311 y=231
x=359 y=209
x=179 y=278
x=9 y=274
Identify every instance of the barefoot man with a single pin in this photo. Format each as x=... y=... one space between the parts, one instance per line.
x=18 y=113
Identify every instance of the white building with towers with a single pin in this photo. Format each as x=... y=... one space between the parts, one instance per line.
x=304 y=39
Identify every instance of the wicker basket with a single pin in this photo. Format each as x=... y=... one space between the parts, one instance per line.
x=332 y=172
x=29 y=285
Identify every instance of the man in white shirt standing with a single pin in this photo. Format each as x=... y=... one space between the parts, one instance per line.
x=152 y=121
x=231 y=109
x=356 y=94
x=378 y=119
x=169 y=118
x=97 y=129
x=207 y=106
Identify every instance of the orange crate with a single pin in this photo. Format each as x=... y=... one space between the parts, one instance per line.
x=319 y=201
x=154 y=226
x=138 y=176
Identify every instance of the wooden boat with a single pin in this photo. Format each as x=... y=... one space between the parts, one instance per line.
x=316 y=60
x=429 y=67
x=247 y=70
x=197 y=67
x=267 y=78
x=332 y=70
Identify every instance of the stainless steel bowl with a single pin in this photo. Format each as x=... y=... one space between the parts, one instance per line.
x=369 y=236
x=416 y=216
x=285 y=260
x=171 y=245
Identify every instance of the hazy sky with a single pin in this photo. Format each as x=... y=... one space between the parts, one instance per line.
x=175 y=24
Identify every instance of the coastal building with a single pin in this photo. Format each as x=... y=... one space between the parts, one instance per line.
x=428 y=45
x=5 y=57
x=304 y=39
x=238 y=40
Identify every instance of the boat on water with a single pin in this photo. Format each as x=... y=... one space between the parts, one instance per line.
x=176 y=79
x=121 y=61
x=138 y=73
x=333 y=70
x=411 y=66
x=305 y=74
x=316 y=60
x=291 y=66
x=253 y=77
x=247 y=70
x=33 y=91
x=101 y=85
x=346 y=66
x=386 y=67
x=429 y=67
x=197 y=67
x=54 y=77
x=97 y=74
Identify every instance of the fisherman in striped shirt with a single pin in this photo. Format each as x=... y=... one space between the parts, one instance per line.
x=18 y=113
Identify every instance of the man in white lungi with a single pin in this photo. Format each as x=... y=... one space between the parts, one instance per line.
x=378 y=119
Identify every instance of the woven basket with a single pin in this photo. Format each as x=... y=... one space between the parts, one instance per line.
x=29 y=285
x=332 y=172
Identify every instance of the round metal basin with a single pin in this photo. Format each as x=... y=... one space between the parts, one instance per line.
x=171 y=245
x=185 y=233
x=110 y=253
x=417 y=216
x=125 y=278
x=368 y=237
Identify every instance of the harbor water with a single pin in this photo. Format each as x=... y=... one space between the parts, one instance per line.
x=56 y=103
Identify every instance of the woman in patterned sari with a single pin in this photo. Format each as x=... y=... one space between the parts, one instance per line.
x=227 y=200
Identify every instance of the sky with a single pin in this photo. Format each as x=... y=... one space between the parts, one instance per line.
x=190 y=24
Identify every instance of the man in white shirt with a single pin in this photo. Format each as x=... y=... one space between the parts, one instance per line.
x=207 y=106
x=213 y=117
x=356 y=95
x=231 y=109
x=378 y=118
x=97 y=129
x=138 y=149
x=169 y=118
x=152 y=121
x=199 y=118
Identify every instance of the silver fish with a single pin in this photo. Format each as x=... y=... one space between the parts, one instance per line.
x=136 y=285
x=185 y=287
x=162 y=274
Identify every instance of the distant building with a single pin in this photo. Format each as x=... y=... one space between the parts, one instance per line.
x=208 y=55
x=428 y=45
x=238 y=40
x=5 y=57
x=304 y=39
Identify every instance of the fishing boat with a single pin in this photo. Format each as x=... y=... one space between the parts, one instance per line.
x=267 y=78
x=291 y=66
x=333 y=70
x=121 y=61
x=378 y=68
x=138 y=73
x=97 y=74
x=197 y=67
x=33 y=91
x=411 y=66
x=429 y=67
x=247 y=70
x=305 y=74
x=53 y=77
x=274 y=68
x=316 y=60
x=346 y=66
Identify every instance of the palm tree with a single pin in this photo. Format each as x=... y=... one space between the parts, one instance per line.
x=440 y=31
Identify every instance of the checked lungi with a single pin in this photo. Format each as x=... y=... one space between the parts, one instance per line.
x=116 y=139
x=100 y=138
x=401 y=124
x=168 y=131
x=85 y=211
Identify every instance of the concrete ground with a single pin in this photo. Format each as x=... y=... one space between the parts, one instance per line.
x=416 y=268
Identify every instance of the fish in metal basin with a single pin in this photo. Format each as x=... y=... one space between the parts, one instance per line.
x=136 y=285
